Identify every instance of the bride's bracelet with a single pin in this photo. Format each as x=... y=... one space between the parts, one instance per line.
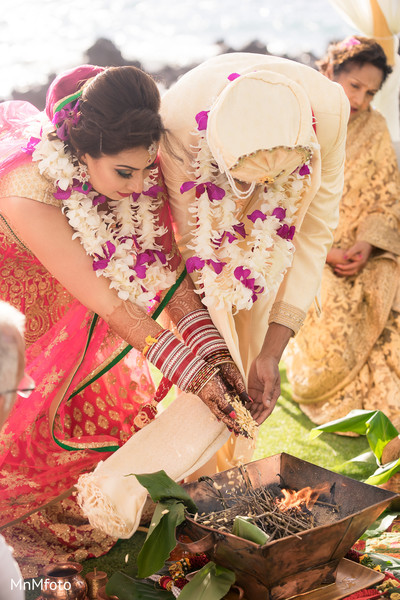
x=178 y=363
x=203 y=338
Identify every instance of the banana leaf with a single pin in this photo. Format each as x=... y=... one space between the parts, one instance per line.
x=374 y=424
x=384 y=473
x=160 y=486
x=380 y=525
x=212 y=582
x=160 y=540
x=244 y=528
x=126 y=588
x=389 y=563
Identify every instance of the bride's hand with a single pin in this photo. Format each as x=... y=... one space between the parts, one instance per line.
x=216 y=396
x=234 y=380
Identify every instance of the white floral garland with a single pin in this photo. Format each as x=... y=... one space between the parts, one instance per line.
x=115 y=239
x=262 y=257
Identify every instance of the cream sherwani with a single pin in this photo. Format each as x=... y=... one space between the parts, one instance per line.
x=317 y=216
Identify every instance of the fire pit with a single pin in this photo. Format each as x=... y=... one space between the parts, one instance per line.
x=299 y=561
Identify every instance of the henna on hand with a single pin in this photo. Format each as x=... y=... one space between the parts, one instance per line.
x=215 y=395
x=234 y=380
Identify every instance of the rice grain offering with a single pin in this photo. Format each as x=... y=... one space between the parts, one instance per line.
x=244 y=418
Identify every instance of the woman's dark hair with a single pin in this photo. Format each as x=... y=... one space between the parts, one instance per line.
x=354 y=50
x=119 y=109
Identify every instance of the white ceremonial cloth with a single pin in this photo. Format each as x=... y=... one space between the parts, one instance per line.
x=180 y=440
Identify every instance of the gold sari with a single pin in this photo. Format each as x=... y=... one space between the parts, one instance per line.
x=349 y=357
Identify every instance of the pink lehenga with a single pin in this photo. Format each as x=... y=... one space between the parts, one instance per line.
x=92 y=393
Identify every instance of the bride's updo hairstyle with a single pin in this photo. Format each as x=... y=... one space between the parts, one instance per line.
x=118 y=110
x=354 y=51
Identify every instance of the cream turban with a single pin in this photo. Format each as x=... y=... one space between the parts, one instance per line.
x=260 y=127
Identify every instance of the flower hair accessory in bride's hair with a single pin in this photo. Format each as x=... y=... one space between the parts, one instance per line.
x=66 y=115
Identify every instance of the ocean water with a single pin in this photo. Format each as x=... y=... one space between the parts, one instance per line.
x=40 y=37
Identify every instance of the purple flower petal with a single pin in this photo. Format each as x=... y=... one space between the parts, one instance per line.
x=217 y=242
x=188 y=185
x=241 y=273
x=214 y=192
x=233 y=76
x=239 y=228
x=140 y=271
x=194 y=263
x=143 y=258
x=109 y=249
x=153 y=191
x=62 y=194
x=83 y=188
x=202 y=119
x=304 y=170
x=230 y=236
x=31 y=145
x=286 y=232
x=256 y=214
x=161 y=256
x=100 y=264
x=99 y=200
x=279 y=213
x=283 y=231
x=216 y=265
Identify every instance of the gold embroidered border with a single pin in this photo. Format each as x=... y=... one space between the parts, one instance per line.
x=6 y=229
x=287 y=315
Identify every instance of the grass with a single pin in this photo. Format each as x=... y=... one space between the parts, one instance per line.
x=286 y=430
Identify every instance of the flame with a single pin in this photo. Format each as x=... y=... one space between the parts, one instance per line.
x=306 y=496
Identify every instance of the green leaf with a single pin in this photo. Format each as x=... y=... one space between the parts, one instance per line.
x=384 y=473
x=244 y=528
x=380 y=431
x=126 y=588
x=160 y=487
x=379 y=526
x=355 y=421
x=161 y=539
x=212 y=582
x=386 y=562
x=368 y=458
x=374 y=424
x=314 y=433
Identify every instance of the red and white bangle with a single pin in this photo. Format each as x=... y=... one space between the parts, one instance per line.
x=200 y=334
x=178 y=363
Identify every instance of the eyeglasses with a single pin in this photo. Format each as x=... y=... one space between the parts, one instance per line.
x=25 y=389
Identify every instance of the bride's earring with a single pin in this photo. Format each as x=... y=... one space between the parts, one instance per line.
x=83 y=176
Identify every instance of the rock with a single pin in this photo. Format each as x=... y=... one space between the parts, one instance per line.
x=106 y=54
x=255 y=47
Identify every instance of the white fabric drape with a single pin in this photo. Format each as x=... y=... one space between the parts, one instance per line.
x=359 y=14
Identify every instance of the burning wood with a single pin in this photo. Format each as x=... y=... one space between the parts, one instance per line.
x=276 y=511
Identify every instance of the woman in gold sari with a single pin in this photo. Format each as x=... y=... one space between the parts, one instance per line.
x=348 y=357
